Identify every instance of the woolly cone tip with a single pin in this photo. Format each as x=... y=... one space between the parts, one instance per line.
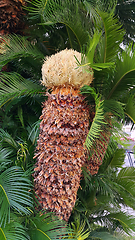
x=62 y=69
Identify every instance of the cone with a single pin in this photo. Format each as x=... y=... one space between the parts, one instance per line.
x=60 y=151
x=11 y=14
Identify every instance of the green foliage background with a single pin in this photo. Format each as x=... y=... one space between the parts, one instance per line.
x=92 y=28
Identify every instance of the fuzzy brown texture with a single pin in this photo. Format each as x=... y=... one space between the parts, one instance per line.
x=11 y=16
x=60 y=150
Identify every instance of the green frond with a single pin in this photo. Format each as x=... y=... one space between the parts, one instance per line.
x=102 y=236
x=113 y=159
x=20 y=115
x=13 y=85
x=97 y=123
x=116 y=108
x=33 y=131
x=112 y=37
x=107 y=6
x=130 y=107
x=91 y=10
x=6 y=138
x=88 y=55
x=113 y=222
x=126 y=181
x=13 y=230
x=79 y=229
x=91 y=46
x=128 y=172
x=101 y=66
x=126 y=221
x=107 y=188
x=67 y=13
x=14 y=46
x=5 y=155
x=47 y=226
x=123 y=79
x=118 y=132
x=14 y=192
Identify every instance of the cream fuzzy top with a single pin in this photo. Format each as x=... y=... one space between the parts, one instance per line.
x=62 y=69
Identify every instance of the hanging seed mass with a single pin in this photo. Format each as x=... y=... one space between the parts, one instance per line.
x=64 y=126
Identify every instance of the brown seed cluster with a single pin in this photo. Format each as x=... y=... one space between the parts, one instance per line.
x=60 y=150
x=65 y=119
x=11 y=16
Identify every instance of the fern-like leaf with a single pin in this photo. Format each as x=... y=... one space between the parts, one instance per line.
x=99 y=119
x=13 y=230
x=113 y=36
x=123 y=79
x=129 y=108
x=13 y=85
x=65 y=12
x=5 y=156
x=47 y=226
x=6 y=138
x=14 y=46
x=14 y=192
x=79 y=231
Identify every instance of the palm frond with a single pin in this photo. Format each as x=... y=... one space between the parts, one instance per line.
x=8 y=140
x=13 y=85
x=123 y=80
x=33 y=132
x=90 y=52
x=116 y=108
x=107 y=6
x=102 y=236
x=47 y=226
x=64 y=12
x=107 y=188
x=126 y=221
x=113 y=159
x=14 y=191
x=113 y=36
x=13 y=230
x=101 y=199
x=114 y=220
x=119 y=188
x=5 y=158
x=122 y=183
x=129 y=107
x=104 y=6
x=98 y=121
x=126 y=183
x=79 y=231
x=127 y=173
x=14 y=46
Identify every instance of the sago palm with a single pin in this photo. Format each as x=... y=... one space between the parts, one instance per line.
x=53 y=163
x=58 y=154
